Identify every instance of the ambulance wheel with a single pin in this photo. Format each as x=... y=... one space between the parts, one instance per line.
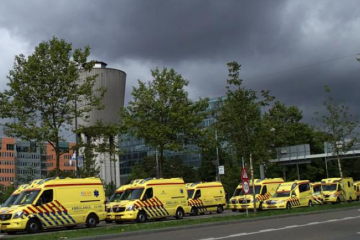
x=219 y=209
x=338 y=200
x=33 y=226
x=179 y=213
x=91 y=221
x=288 y=206
x=194 y=211
x=141 y=217
x=108 y=221
x=350 y=199
x=310 y=203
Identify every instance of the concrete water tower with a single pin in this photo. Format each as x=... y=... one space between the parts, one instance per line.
x=113 y=80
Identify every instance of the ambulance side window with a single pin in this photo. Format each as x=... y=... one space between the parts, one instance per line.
x=264 y=190
x=304 y=187
x=348 y=184
x=197 y=194
x=148 y=194
x=46 y=197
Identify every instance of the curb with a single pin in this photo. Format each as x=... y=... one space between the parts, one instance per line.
x=202 y=225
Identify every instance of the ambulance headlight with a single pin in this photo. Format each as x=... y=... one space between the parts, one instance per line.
x=282 y=201
x=130 y=208
x=18 y=215
x=332 y=195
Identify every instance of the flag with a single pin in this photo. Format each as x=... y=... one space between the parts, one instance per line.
x=73 y=158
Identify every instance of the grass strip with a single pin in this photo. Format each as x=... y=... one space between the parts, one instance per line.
x=116 y=229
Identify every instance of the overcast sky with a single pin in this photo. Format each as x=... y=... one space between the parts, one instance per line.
x=292 y=48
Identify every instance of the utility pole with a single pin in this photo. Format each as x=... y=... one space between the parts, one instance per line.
x=76 y=142
x=252 y=181
x=217 y=158
x=157 y=164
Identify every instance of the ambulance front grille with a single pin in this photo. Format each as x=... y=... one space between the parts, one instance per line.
x=118 y=209
x=4 y=217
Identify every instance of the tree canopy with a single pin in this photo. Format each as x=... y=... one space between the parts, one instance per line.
x=162 y=114
x=45 y=94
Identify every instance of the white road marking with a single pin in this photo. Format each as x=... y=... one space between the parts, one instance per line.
x=313 y=223
x=279 y=229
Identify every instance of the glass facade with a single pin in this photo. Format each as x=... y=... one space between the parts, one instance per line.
x=134 y=150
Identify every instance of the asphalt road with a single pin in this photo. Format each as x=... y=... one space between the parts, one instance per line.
x=340 y=225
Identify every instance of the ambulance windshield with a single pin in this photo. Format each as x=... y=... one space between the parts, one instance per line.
x=329 y=187
x=132 y=194
x=317 y=189
x=237 y=192
x=116 y=197
x=190 y=193
x=10 y=201
x=26 y=197
x=257 y=190
x=282 y=194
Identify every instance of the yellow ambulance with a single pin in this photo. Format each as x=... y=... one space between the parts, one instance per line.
x=336 y=190
x=317 y=194
x=234 y=200
x=206 y=197
x=55 y=203
x=357 y=190
x=264 y=189
x=153 y=199
x=113 y=206
x=291 y=195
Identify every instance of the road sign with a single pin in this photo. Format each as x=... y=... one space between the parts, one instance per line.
x=244 y=175
x=80 y=161
x=221 y=170
x=246 y=186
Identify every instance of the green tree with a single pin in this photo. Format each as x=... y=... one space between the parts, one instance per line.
x=45 y=93
x=239 y=121
x=6 y=192
x=100 y=139
x=340 y=125
x=144 y=169
x=162 y=114
x=207 y=170
x=174 y=167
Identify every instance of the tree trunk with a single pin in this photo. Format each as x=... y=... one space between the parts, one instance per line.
x=339 y=164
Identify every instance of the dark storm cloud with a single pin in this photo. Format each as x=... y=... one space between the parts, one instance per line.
x=197 y=38
x=155 y=30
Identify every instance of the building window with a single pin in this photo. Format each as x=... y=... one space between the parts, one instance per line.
x=10 y=147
